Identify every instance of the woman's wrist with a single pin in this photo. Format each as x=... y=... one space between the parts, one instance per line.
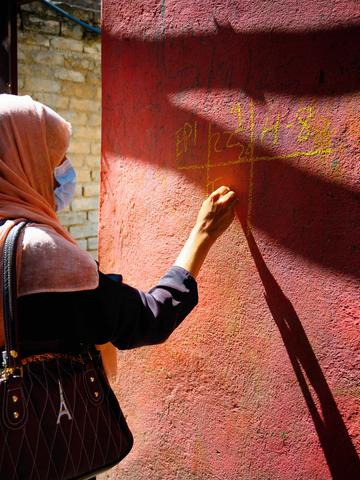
x=195 y=250
x=201 y=236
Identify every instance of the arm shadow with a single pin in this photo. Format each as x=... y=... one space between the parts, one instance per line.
x=339 y=451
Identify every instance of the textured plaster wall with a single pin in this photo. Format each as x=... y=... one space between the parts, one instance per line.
x=261 y=381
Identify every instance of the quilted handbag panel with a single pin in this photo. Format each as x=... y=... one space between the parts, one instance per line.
x=60 y=421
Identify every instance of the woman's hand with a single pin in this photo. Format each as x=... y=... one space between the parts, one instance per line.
x=217 y=213
x=214 y=217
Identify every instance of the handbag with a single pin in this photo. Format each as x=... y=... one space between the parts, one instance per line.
x=59 y=418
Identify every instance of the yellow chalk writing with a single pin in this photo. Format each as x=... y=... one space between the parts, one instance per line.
x=250 y=140
x=303 y=116
x=231 y=140
x=273 y=129
x=236 y=110
x=185 y=136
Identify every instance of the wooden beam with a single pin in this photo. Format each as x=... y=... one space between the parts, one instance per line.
x=8 y=47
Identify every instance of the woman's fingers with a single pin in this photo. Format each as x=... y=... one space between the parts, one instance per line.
x=229 y=198
x=217 y=212
x=219 y=191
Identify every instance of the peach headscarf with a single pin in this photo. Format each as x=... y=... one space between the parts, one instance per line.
x=33 y=141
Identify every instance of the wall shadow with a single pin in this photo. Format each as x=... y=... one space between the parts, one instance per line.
x=340 y=453
x=316 y=63
x=309 y=214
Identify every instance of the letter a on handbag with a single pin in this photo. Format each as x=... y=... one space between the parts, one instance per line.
x=59 y=418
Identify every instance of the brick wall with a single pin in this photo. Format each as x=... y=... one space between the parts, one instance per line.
x=59 y=65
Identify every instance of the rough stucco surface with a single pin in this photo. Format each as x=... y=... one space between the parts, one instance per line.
x=261 y=381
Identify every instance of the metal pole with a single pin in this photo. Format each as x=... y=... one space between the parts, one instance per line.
x=8 y=47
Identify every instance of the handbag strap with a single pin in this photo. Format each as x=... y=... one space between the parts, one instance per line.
x=11 y=358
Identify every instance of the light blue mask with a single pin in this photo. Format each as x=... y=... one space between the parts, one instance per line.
x=65 y=175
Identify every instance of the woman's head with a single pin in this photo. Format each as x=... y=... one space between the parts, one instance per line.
x=33 y=142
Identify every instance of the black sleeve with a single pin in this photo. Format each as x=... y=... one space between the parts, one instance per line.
x=113 y=312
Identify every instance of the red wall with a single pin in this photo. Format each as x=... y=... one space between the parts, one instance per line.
x=261 y=381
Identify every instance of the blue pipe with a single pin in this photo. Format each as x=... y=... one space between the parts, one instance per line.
x=71 y=17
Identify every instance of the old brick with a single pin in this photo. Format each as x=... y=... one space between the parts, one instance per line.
x=85 y=15
x=97 y=61
x=33 y=22
x=21 y=56
x=82 y=243
x=33 y=38
x=91 y=190
x=84 y=231
x=78 y=189
x=93 y=216
x=96 y=148
x=92 y=243
x=39 y=84
x=93 y=161
x=83 y=175
x=72 y=31
x=80 y=90
x=95 y=175
x=72 y=218
x=72 y=75
x=27 y=52
x=92 y=49
x=53 y=100
x=38 y=8
x=93 y=77
x=84 y=105
x=42 y=71
x=82 y=62
x=75 y=118
x=48 y=57
x=77 y=160
x=90 y=203
x=94 y=120
x=94 y=254
x=87 y=132
x=79 y=147
x=62 y=43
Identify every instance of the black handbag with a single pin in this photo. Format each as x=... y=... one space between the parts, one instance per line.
x=59 y=418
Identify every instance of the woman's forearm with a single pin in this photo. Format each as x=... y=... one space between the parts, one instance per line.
x=194 y=252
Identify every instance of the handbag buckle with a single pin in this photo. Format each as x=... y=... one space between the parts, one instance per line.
x=14 y=372
x=7 y=372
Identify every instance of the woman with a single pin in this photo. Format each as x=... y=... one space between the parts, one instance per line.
x=63 y=299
